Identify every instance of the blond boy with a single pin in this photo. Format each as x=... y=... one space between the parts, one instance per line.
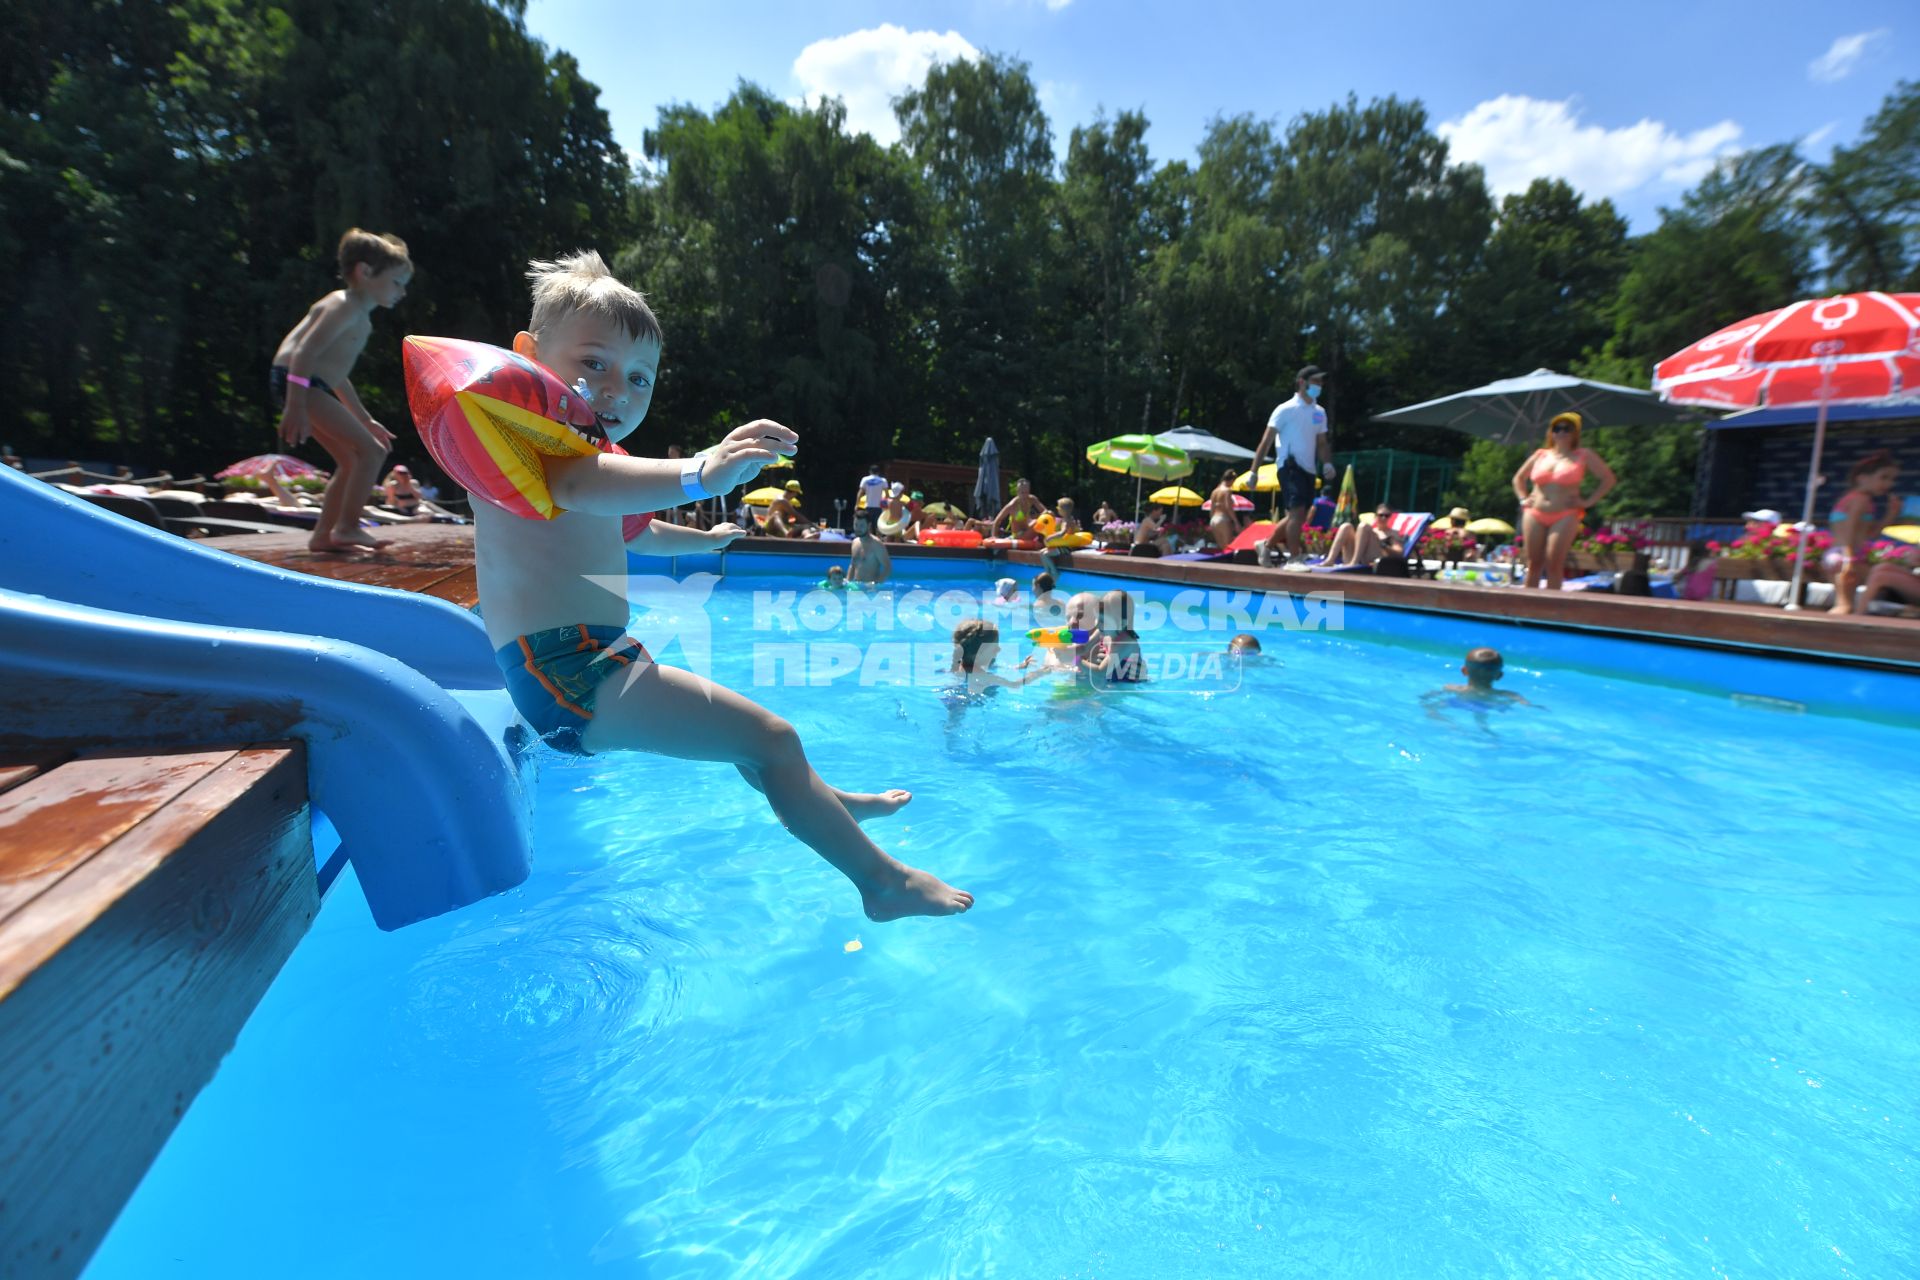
x=310 y=381
x=574 y=673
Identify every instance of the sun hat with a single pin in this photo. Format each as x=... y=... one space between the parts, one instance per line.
x=1766 y=515
x=793 y=486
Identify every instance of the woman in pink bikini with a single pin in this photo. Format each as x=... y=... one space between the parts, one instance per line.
x=1551 y=513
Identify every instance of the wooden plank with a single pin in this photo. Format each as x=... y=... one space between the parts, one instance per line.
x=17 y=768
x=142 y=966
x=52 y=823
x=461 y=587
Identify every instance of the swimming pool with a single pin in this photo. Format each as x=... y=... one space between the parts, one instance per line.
x=1288 y=978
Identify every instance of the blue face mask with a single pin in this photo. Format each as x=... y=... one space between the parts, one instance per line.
x=1313 y=391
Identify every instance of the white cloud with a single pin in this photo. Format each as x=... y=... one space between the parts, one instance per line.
x=869 y=69
x=1517 y=139
x=1838 y=62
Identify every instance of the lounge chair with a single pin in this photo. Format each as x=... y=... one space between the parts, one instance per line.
x=1411 y=526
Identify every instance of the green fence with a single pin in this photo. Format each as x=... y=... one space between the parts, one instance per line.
x=1404 y=480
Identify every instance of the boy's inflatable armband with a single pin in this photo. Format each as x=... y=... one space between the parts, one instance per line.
x=490 y=417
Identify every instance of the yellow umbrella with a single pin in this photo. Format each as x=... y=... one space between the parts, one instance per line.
x=1489 y=525
x=1266 y=482
x=764 y=497
x=1176 y=496
x=1902 y=533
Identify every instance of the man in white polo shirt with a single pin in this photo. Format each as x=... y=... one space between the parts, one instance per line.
x=1298 y=431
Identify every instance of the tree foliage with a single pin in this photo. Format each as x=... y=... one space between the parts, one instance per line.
x=172 y=179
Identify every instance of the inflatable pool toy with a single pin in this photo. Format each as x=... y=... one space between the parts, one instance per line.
x=1070 y=541
x=1056 y=637
x=948 y=537
x=1045 y=524
x=891 y=528
x=490 y=417
x=1012 y=544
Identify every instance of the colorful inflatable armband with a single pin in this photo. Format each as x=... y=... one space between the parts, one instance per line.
x=491 y=417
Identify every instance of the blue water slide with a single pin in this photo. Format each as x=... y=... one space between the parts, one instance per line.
x=56 y=545
x=428 y=804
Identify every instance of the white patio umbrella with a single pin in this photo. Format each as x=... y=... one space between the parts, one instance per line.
x=1515 y=410
x=1204 y=444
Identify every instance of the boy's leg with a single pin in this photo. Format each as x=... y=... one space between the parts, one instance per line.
x=357 y=458
x=675 y=713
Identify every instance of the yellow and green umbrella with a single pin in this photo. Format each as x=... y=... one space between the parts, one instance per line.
x=1347 y=509
x=764 y=497
x=1488 y=526
x=1143 y=458
x=1176 y=496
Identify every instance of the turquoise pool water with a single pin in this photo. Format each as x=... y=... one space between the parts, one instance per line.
x=1293 y=978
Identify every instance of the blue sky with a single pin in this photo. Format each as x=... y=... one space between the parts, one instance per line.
x=1628 y=100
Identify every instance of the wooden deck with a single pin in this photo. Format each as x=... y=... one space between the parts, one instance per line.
x=146 y=903
x=433 y=559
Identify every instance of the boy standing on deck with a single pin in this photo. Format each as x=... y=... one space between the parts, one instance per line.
x=572 y=670
x=309 y=380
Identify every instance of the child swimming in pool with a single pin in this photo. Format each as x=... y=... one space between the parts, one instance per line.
x=1482 y=667
x=572 y=670
x=1117 y=657
x=976 y=647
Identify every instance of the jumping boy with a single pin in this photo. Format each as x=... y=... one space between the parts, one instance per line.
x=572 y=670
x=309 y=380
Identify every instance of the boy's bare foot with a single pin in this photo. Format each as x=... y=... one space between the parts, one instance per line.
x=360 y=538
x=907 y=892
x=864 y=805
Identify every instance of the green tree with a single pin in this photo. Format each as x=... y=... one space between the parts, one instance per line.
x=1866 y=202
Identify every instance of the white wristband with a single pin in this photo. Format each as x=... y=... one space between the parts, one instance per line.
x=690 y=480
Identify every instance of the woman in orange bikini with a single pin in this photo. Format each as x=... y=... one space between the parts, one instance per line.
x=1551 y=513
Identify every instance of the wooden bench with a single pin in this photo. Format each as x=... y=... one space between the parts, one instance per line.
x=146 y=902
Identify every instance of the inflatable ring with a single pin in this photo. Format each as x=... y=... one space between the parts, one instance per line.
x=890 y=528
x=950 y=538
x=490 y=417
x=1069 y=541
x=1012 y=544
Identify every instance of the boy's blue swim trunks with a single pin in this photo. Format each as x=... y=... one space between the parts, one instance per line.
x=554 y=676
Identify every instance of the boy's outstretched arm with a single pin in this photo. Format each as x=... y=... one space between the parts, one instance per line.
x=660 y=539
x=609 y=484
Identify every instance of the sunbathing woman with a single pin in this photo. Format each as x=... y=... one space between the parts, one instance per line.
x=1551 y=513
x=1363 y=544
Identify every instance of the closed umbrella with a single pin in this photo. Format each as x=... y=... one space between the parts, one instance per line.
x=1855 y=348
x=986 y=486
x=1511 y=410
x=1143 y=458
x=1347 y=509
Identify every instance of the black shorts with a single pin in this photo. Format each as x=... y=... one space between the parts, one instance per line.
x=1296 y=485
x=277 y=386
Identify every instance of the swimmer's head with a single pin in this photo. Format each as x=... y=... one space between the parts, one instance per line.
x=1116 y=611
x=835 y=572
x=1005 y=589
x=1043 y=583
x=1244 y=643
x=1483 y=666
x=974 y=640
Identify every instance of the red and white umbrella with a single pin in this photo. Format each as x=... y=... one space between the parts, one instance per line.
x=261 y=463
x=1855 y=348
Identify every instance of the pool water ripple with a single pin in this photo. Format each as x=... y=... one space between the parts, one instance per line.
x=1297 y=979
